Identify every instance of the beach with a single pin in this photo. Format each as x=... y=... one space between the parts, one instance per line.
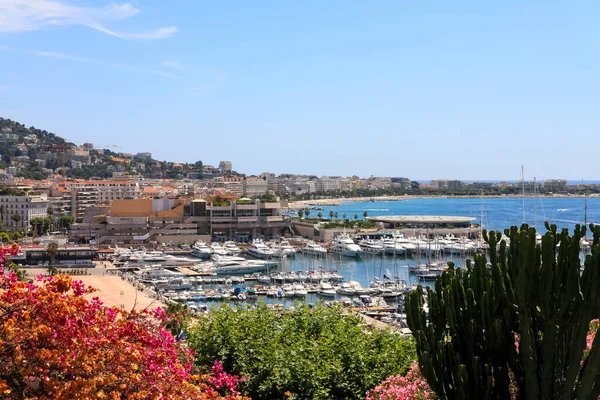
x=111 y=289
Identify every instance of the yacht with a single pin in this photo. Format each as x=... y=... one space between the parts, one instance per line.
x=313 y=249
x=221 y=260
x=371 y=247
x=218 y=249
x=283 y=249
x=326 y=290
x=344 y=245
x=243 y=266
x=145 y=258
x=392 y=247
x=173 y=261
x=299 y=290
x=260 y=250
x=346 y=289
x=232 y=249
x=201 y=250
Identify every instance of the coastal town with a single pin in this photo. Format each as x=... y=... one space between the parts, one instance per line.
x=299 y=200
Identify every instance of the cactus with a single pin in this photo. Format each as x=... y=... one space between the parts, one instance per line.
x=535 y=293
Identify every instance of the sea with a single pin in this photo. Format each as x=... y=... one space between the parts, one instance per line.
x=495 y=213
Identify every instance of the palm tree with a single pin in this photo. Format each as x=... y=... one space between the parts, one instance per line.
x=307 y=212
x=344 y=216
x=365 y=214
x=52 y=250
x=320 y=215
x=301 y=213
x=16 y=217
x=355 y=216
x=331 y=214
x=50 y=213
x=336 y=216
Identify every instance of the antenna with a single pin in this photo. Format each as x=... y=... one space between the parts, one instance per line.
x=523 y=185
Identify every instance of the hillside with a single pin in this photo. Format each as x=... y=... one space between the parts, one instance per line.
x=34 y=153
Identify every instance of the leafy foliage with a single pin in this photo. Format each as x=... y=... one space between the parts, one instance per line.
x=316 y=353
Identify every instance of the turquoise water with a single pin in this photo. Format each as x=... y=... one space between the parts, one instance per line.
x=499 y=213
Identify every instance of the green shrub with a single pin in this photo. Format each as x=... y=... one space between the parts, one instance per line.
x=316 y=353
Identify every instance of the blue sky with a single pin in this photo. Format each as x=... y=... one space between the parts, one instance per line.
x=456 y=90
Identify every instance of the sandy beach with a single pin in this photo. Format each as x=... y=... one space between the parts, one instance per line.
x=111 y=289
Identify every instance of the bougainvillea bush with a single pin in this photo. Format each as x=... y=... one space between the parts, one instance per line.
x=410 y=387
x=59 y=342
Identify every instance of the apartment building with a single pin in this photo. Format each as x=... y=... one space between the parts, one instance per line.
x=17 y=211
x=87 y=193
x=254 y=187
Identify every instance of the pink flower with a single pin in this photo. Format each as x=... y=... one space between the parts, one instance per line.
x=410 y=387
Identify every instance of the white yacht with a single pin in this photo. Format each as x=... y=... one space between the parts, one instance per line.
x=314 y=249
x=173 y=261
x=238 y=265
x=299 y=290
x=260 y=250
x=392 y=247
x=326 y=290
x=344 y=245
x=145 y=258
x=283 y=249
x=346 y=289
x=201 y=250
x=371 y=247
x=218 y=249
x=232 y=249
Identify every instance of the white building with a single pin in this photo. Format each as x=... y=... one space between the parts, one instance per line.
x=325 y=184
x=254 y=187
x=16 y=212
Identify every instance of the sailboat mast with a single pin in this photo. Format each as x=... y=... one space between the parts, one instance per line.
x=523 y=187
x=584 y=206
x=481 y=218
x=534 y=203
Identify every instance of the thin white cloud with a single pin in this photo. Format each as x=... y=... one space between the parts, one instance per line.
x=29 y=15
x=62 y=56
x=172 y=64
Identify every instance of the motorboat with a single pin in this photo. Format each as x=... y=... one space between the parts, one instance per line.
x=313 y=249
x=239 y=265
x=218 y=249
x=283 y=249
x=371 y=247
x=201 y=250
x=392 y=247
x=173 y=261
x=345 y=246
x=326 y=290
x=299 y=290
x=260 y=250
x=232 y=249
x=346 y=289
